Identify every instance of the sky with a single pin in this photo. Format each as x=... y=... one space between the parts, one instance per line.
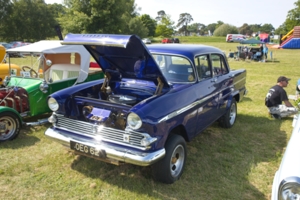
x=233 y=12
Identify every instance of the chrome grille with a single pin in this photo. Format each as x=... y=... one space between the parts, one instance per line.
x=105 y=133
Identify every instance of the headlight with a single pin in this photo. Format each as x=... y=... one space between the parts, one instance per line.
x=44 y=87
x=134 y=121
x=289 y=189
x=53 y=105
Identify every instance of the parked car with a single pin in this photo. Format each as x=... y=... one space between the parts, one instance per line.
x=167 y=40
x=7 y=69
x=235 y=38
x=7 y=45
x=54 y=67
x=152 y=101
x=15 y=44
x=146 y=41
x=176 y=40
x=286 y=182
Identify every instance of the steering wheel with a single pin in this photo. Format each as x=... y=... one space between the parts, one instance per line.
x=33 y=73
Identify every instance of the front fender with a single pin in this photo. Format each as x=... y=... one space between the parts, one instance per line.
x=8 y=109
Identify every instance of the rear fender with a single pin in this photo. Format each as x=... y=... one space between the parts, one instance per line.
x=236 y=95
x=230 y=100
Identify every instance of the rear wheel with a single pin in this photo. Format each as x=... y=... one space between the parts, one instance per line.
x=228 y=119
x=170 y=168
x=10 y=126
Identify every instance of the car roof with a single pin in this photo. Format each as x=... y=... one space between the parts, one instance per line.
x=188 y=50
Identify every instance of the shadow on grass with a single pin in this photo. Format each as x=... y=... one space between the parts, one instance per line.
x=246 y=99
x=25 y=138
x=221 y=164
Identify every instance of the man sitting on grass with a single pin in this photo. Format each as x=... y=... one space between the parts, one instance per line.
x=276 y=96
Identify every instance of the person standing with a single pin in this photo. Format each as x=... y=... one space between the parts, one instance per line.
x=265 y=51
x=261 y=51
x=245 y=51
x=274 y=98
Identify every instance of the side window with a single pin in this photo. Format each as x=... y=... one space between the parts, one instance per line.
x=218 y=65
x=203 y=67
x=175 y=68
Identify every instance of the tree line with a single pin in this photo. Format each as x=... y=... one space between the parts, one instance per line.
x=34 y=20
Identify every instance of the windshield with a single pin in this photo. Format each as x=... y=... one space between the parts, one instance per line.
x=175 y=69
x=52 y=67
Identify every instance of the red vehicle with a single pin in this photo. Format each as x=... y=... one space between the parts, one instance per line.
x=167 y=40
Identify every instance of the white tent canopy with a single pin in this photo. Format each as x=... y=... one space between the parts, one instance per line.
x=55 y=47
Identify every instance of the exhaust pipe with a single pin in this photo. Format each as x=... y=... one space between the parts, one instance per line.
x=39 y=122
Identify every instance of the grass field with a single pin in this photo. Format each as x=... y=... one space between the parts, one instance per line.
x=237 y=163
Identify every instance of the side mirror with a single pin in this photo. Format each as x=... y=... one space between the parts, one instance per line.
x=48 y=63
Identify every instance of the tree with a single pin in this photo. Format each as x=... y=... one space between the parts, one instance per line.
x=293 y=17
x=149 y=23
x=5 y=7
x=225 y=29
x=196 y=28
x=5 y=10
x=281 y=30
x=135 y=26
x=245 y=29
x=219 y=23
x=184 y=20
x=210 y=28
x=29 y=20
x=255 y=27
x=267 y=28
x=57 y=10
x=160 y=15
x=165 y=27
x=98 y=16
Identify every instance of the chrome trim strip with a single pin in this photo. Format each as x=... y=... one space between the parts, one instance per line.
x=239 y=81
x=112 y=152
x=177 y=112
x=97 y=43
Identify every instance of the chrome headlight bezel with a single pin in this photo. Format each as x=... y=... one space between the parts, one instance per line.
x=134 y=121
x=53 y=105
x=289 y=188
x=44 y=87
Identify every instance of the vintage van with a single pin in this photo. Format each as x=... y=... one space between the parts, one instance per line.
x=235 y=37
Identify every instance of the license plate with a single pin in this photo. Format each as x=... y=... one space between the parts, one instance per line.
x=87 y=150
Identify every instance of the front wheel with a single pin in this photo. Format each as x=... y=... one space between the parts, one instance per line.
x=170 y=168
x=10 y=126
x=228 y=119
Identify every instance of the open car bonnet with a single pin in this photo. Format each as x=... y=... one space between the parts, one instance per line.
x=55 y=47
x=125 y=53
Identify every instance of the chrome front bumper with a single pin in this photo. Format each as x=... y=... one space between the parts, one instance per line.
x=112 y=152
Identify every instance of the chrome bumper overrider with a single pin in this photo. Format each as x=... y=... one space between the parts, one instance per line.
x=112 y=152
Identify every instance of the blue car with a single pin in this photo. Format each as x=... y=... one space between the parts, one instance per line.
x=152 y=101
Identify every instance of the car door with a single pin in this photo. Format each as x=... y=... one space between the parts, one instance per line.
x=221 y=81
x=207 y=92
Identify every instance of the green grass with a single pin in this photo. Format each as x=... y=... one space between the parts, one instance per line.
x=236 y=163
